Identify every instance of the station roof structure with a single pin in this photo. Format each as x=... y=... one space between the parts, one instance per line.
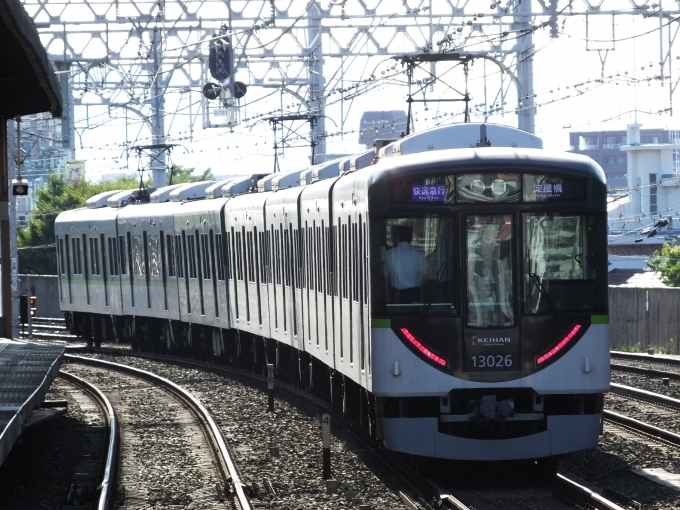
x=28 y=82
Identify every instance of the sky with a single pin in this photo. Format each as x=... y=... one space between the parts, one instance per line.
x=577 y=89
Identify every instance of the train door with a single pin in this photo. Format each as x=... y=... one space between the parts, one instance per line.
x=491 y=337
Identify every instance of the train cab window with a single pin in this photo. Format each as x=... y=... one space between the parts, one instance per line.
x=417 y=266
x=489 y=269
x=561 y=263
x=138 y=266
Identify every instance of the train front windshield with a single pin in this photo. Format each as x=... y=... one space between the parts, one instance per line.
x=490 y=268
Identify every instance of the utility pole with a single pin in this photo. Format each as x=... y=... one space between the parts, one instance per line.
x=525 y=67
x=158 y=164
x=316 y=85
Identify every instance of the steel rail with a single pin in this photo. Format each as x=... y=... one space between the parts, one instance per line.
x=216 y=434
x=651 y=372
x=638 y=425
x=646 y=395
x=572 y=485
x=108 y=480
x=639 y=356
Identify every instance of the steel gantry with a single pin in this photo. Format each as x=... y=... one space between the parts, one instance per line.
x=143 y=54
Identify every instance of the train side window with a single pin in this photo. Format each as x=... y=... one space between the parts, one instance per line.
x=296 y=247
x=286 y=256
x=318 y=258
x=239 y=256
x=205 y=249
x=277 y=258
x=251 y=257
x=336 y=257
x=170 y=255
x=324 y=257
x=231 y=261
x=309 y=254
x=93 y=257
x=343 y=252
x=364 y=254
x=256 y=255
x=355 y=263
x=178 y=256
x=163 y=259
x=76 y=254
x=129 y=256
x=110 y=247
x=154 y=255
x=328 y=260
x=191 y=260
x=219 y=254
x=62 y=260
x=116 y=255
x=263 y=259
x=138 y=255
x=123 y=253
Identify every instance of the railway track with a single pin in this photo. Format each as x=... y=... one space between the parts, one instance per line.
x=105 y=484
x=562 y=493
x=162 y=423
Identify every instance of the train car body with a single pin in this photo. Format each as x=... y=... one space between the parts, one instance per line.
x=448 y=290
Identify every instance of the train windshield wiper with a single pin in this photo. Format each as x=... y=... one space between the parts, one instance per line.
x=551 y=304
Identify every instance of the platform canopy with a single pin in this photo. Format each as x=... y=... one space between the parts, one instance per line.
x=27 y=80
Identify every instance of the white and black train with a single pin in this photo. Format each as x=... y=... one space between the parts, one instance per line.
x=448 y=290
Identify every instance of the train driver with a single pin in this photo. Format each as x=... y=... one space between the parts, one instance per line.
x=405 y=267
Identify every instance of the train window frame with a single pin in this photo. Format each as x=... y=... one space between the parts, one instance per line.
x=219 y=256
x=286 y=256
x=170 y=255
x=62 y=260
x=206 y=252
x=496 y=305
x=444 y=290
x=153 y=254
x=594 y=287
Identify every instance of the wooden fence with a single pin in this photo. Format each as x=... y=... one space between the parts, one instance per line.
x=645 y=318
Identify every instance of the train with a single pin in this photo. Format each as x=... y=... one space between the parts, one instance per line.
x=447 y=289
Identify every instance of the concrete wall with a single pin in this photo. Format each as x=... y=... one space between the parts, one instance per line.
x=645 y=317
x=46 y=290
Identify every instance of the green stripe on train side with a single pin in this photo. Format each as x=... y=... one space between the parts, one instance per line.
x=381 y=323
x=599 y=319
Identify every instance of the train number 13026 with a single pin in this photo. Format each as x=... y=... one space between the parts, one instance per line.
x=498 y=361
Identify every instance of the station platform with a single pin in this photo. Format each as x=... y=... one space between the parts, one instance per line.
x=26 y=372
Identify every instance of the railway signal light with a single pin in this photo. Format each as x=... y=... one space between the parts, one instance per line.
x=220 y=59
x=27 y=308
x=19 y=187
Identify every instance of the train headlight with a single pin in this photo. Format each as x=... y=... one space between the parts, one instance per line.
x=477 y=186
x=498 y=187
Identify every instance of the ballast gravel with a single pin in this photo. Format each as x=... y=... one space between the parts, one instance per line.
x=293 y=478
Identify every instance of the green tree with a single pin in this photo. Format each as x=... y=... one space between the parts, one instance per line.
x=179 y=174
x=37 y=254
x=667 y=263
